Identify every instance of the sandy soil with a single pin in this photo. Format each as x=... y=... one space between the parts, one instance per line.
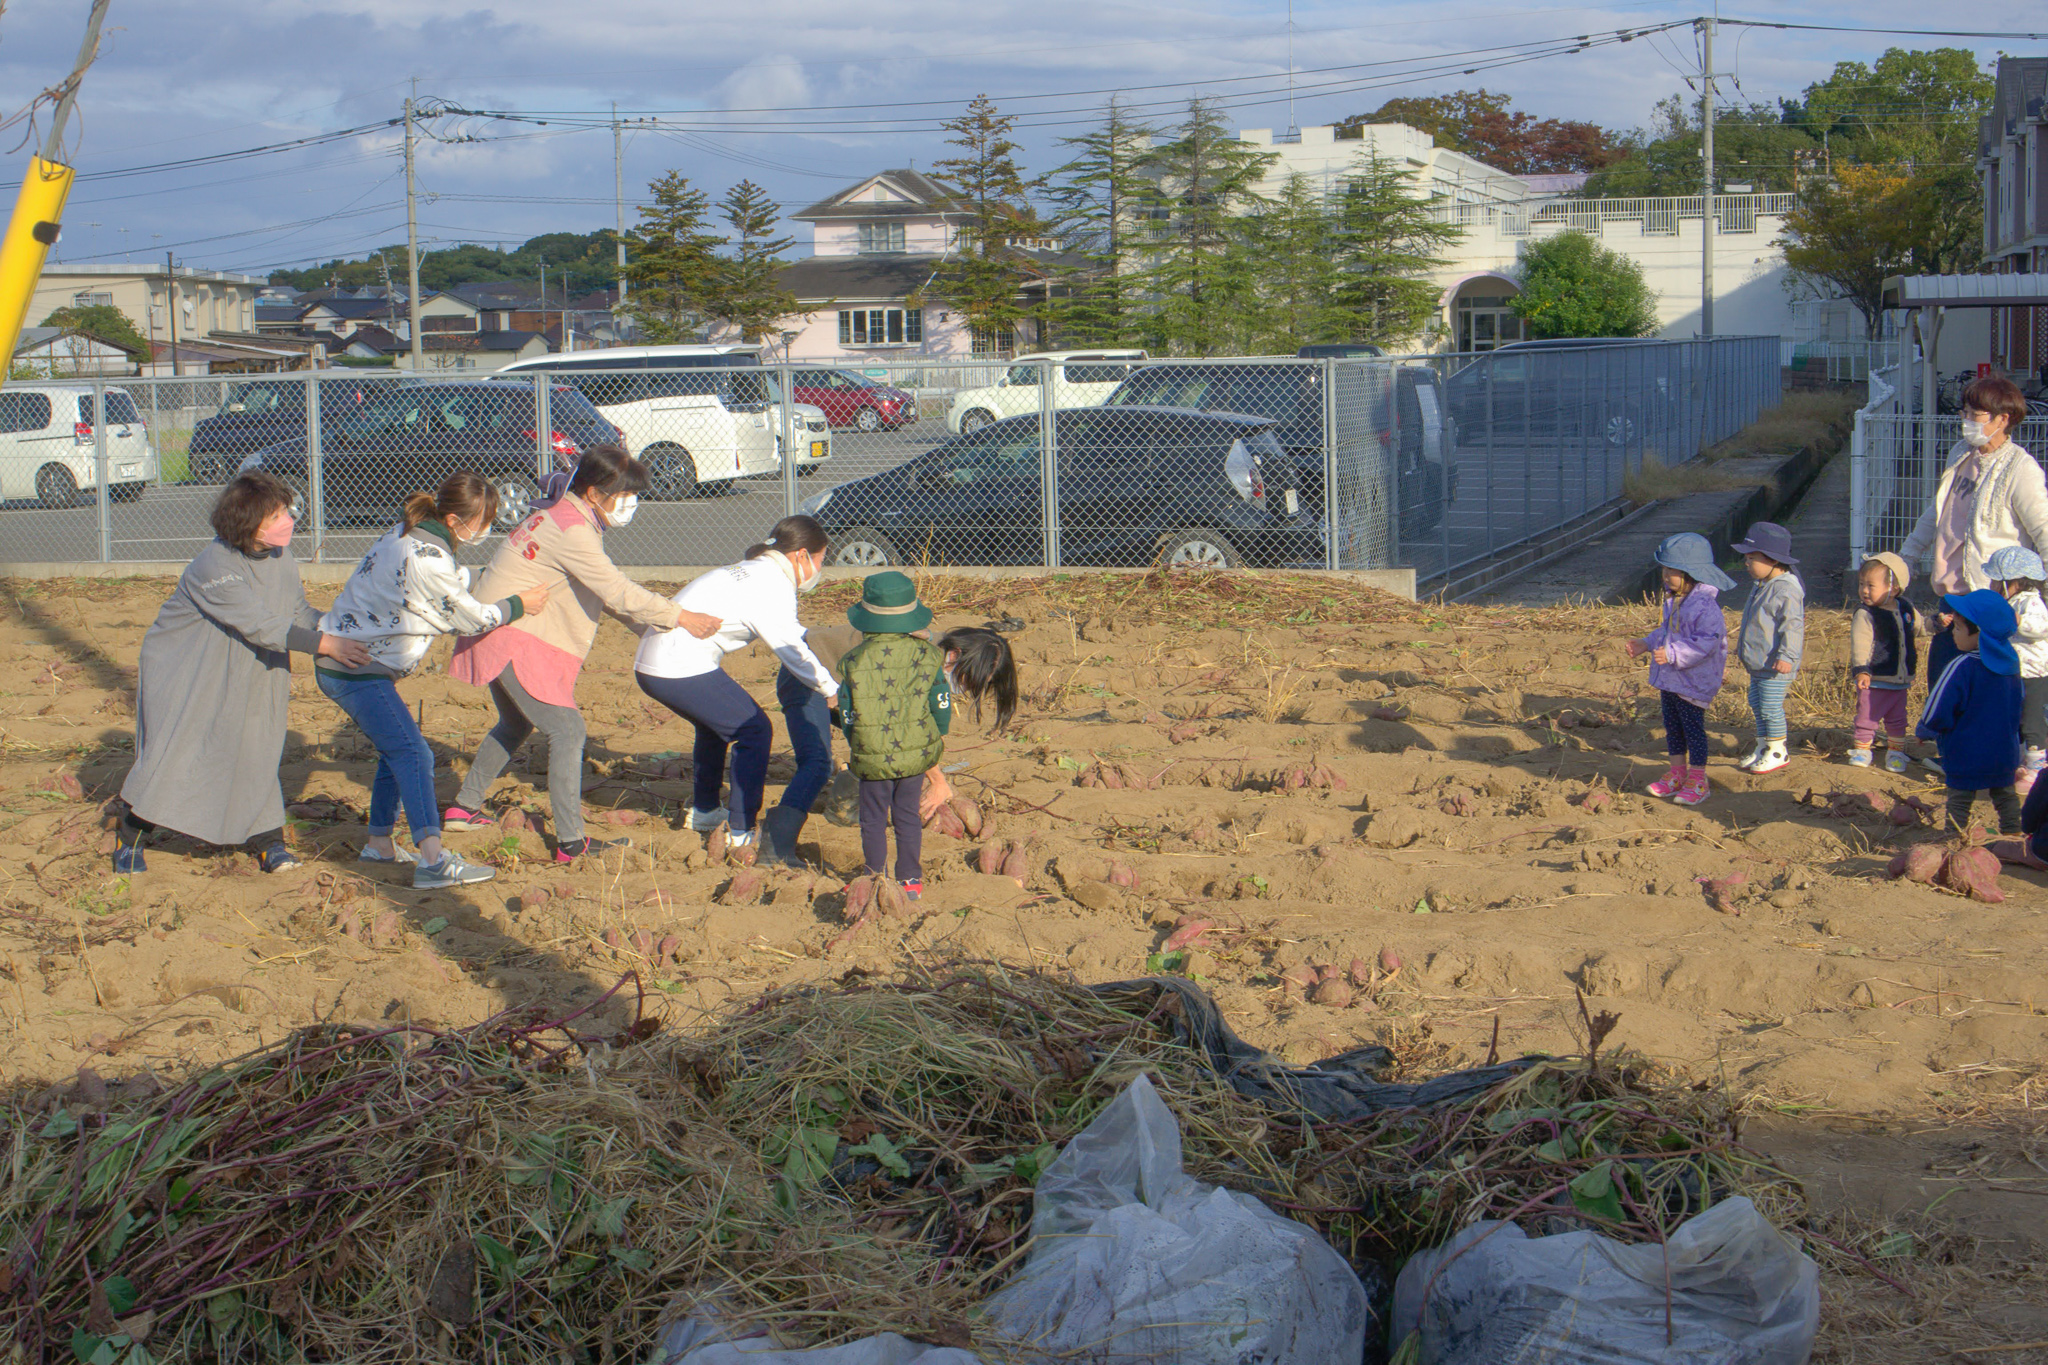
x=1323 y=775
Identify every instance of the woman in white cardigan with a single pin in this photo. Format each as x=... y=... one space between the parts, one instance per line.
x=1993 y=494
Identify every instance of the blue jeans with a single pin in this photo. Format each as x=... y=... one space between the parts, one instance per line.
x=725 y=717
x=405 y=765
x=1767 y=703
x=809 y=718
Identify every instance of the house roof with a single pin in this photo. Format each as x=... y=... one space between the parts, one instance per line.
x=477 y=341
x=500 y=294
x=906 y=194
x=33 y=338
x=2019 y=96
x=355 y=308
x=865 y=278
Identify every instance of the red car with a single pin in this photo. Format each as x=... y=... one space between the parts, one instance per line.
x=854 y=400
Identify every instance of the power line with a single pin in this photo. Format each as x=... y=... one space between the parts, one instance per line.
x=2001 y=34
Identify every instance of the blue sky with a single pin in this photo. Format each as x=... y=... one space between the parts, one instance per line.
x=841 y=90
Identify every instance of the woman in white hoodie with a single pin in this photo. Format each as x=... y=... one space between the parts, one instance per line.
x=752 y=600
x=407 y=590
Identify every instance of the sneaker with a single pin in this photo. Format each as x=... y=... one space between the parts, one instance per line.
x=399 y=854
x=278 y=858
x=1670 y=782
x=455 y=817
x=704 y=821
x=913 y=890
x=1772 y=758
x=1694 y=790
x=452 y=870
x=1860 y=758
x=739 y=838
x=569 y=853
x=128 y=859
x=1894 y=761
x=1932 y=762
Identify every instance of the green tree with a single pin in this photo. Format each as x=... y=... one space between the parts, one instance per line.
x=1849 y=232
x=747 y=291
x=985 y=280
x=577 y=263
x=1387 y=240
x=1574 y=287
x=1201 y=262
x=103 y=321
x=1294 y=237
x=1098 y=200
x=1754 y=144
x=672 y=264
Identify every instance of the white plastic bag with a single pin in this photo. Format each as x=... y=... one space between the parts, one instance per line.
x=1135 y=1261
x=1740 y=1293
x=1132 y=1261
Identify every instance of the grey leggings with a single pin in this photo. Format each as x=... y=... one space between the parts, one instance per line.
x=518 y=716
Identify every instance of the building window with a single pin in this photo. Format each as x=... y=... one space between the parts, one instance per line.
x=881 y=327
x=881 y=237
x=85 y=298
x=447 y=324
x=986 y=341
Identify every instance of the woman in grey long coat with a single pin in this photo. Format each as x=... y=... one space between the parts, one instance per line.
x=215 y=681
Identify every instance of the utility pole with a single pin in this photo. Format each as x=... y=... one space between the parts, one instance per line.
x=619 y=195
x=543 y=298
x=412 y=243
x=171 y=298
x=1707 y=74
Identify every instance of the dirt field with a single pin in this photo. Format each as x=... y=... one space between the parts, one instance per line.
x=1447 y=802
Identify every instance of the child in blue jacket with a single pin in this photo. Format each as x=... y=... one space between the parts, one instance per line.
x=1973 y=710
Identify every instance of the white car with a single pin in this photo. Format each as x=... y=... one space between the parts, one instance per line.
x=1080 y=379
x=694 y=415
x=48 y=451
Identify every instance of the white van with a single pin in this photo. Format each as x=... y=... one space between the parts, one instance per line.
x=1080 y=379
x=47 y=450
x=691 y=414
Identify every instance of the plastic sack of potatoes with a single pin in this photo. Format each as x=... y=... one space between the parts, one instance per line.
x=1740 y=1293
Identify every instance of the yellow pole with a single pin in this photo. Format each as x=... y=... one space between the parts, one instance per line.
x=38 y=212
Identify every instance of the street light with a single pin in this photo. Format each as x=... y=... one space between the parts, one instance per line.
x=787 y=338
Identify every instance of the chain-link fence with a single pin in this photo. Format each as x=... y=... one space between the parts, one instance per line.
x=1108 y=458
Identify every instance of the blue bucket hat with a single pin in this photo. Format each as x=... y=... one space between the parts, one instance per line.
x=2013 y=562
x=1690 y=554
x=1993 y=617
x=1770 y=540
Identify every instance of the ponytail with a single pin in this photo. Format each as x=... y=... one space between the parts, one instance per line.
x=791 y=535
x=463 y=496
x=418 y=507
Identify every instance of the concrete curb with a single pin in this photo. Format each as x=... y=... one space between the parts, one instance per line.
x=1400 y=582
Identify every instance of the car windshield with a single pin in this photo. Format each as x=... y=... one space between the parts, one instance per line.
x=754 y=386
x=120 y=408
x=567 y=405
x=1170 y=388
x=1277 y=391
x=257 y=398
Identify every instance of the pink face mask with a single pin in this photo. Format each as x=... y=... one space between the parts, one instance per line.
x=277 y=534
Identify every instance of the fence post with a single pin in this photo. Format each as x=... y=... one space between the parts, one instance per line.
x=1859 y=517
x=100 y=470
x=785 y=377
x=315 y=468
x=543 y=424
x=1048 y=468
x=1330 y=469
x=1489 y=460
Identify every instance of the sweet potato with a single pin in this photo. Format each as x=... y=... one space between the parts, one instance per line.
x=1972 y=872
x=643 y=942
x=1186 y=935
x=945 y=820
x=714 y=844
x=1390 y=961
x=623 y=817
x=669 y=946
x=860 y=895
x=1015 y=866
x=1303 y=978
x=1333 y=992
x=1360 y=974
x=1122 y=875
x=744 y=889
x=889 y=898
x=1919 y=863
x=514 y=821
x=990 y=859
x=969 y=811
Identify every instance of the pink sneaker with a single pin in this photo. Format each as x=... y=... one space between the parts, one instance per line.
x=2023 y=781
x=1670 y=782
x=1695 y=788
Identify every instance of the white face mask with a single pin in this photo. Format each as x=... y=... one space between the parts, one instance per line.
x=1974 y=435
x=622 y=511
x=817 y=576
x=477 y=539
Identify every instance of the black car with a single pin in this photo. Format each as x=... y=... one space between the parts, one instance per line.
x=1136 y=486
x=1291 y=394
x=260 y=413
x=417 y=435
x=1569 y=389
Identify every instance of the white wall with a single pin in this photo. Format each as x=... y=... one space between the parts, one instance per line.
x=834 y=237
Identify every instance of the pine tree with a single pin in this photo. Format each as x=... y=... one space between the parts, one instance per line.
x=1201 y=270
x=1388 y=239
x=672 y=263
x=1296 y=238
x=1100 y=198
x=747 y=292
x=984 y=281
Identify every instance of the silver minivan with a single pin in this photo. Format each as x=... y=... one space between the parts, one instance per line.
x=48 y=449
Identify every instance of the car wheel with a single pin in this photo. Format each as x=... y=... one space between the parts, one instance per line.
x=517 y=493
x=867 y=419
x=671 y=472
x=56 y=487
x=1198 y=550
x=975 y=421
x=864 y=547
x=1621 y=429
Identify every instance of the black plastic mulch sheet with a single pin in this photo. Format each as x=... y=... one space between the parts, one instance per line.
x=1335 y=1090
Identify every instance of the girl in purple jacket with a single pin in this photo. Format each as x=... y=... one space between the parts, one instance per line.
x=1688 y=656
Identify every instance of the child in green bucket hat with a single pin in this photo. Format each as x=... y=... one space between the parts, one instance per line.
x=895 y=706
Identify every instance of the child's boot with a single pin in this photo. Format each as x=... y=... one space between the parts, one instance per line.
x=1694 y=789
x=1771 y=757
x=1753 y=757
x=1670 y=782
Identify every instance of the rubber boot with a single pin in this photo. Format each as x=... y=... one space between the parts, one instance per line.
x=780 y=826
